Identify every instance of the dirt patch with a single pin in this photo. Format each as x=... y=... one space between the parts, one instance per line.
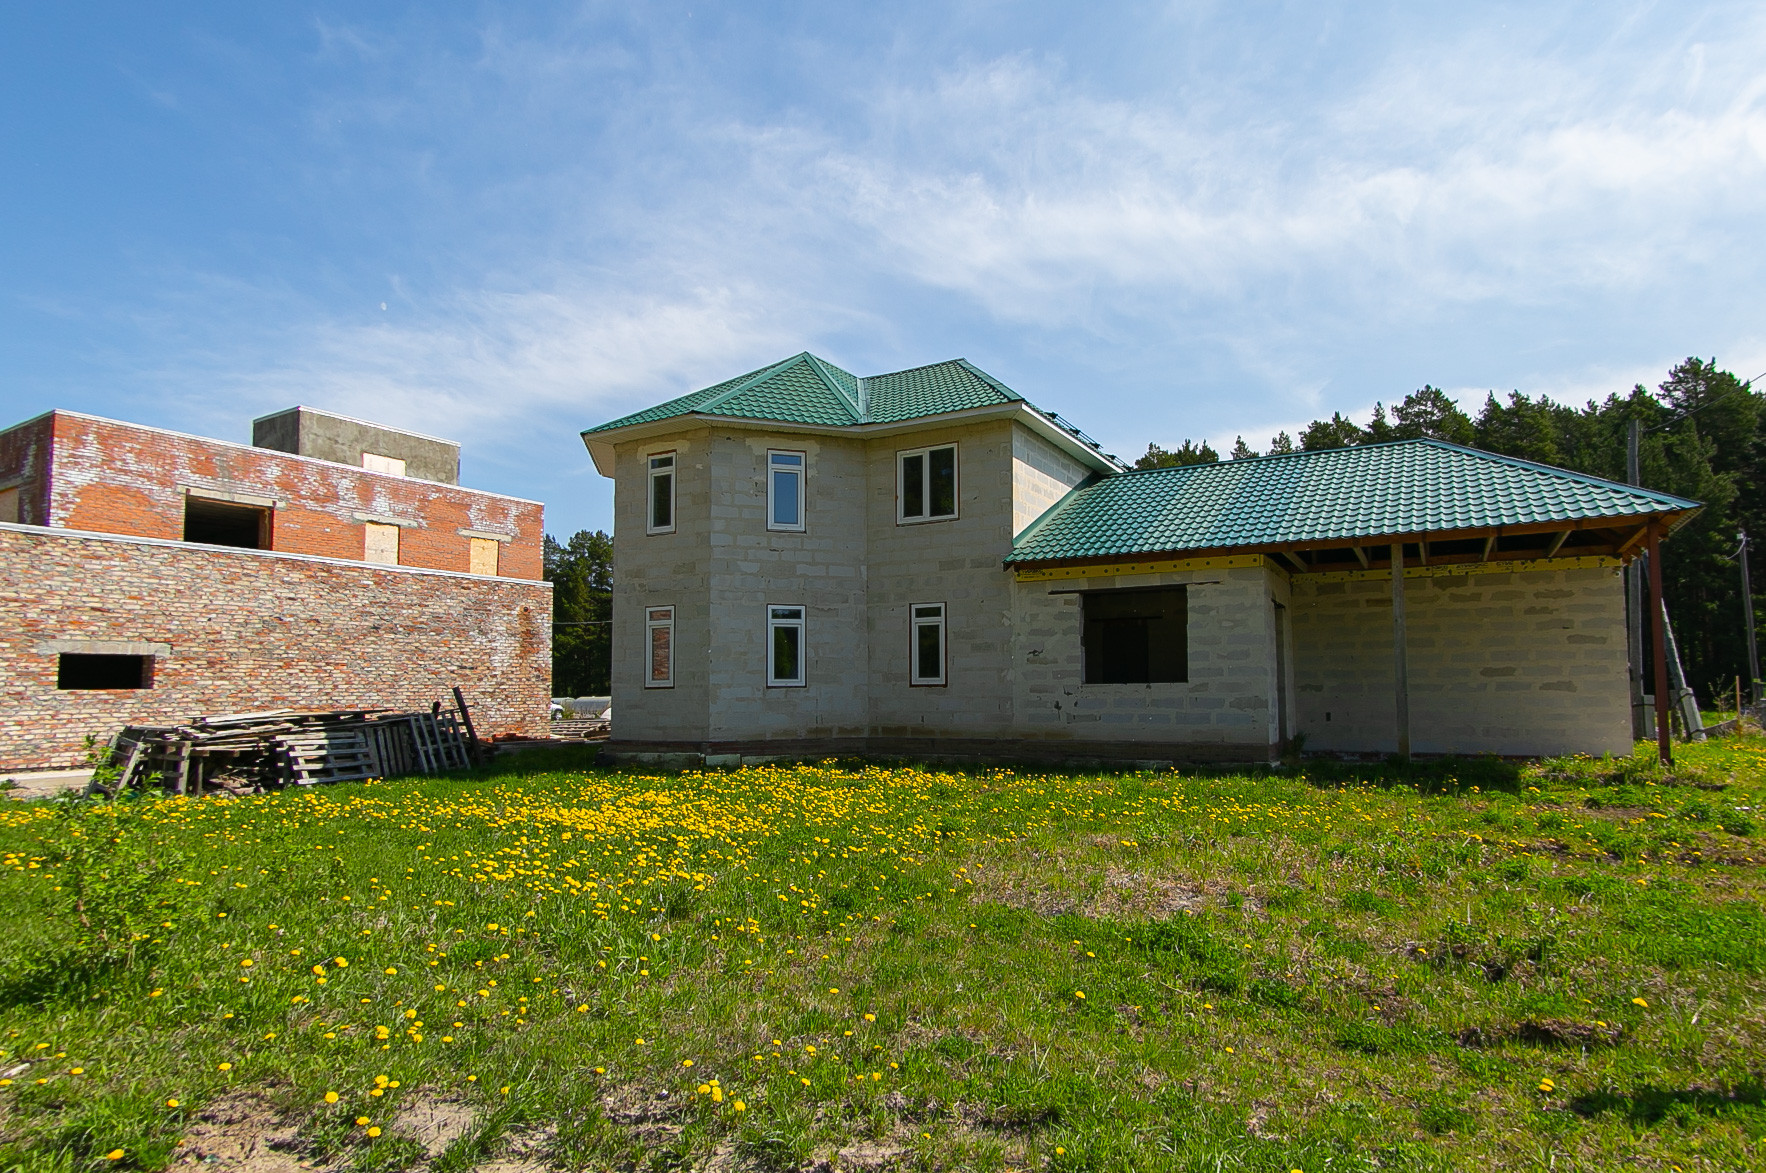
x=433 y=1122
x=1121 y=893
x=1544 y=1032
x=521 y=1152
x=1564 y=1032
x=243 y=1133
x=872 y=1154
x=650 y=1115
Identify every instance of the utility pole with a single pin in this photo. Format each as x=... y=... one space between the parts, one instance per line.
x=1747 y=609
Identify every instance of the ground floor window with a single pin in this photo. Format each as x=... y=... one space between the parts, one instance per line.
x=659 y=627
x=926 y=645
x=82 y=672
x=1136 y=636
x=784 y=647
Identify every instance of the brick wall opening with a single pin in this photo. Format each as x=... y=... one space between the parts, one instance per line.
x=85 y=672
x=222 y=523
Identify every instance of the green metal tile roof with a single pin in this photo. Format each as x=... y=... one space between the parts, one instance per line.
x=1415 y=486
x=805 y=389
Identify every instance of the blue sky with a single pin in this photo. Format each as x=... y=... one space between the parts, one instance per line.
x=504 y=223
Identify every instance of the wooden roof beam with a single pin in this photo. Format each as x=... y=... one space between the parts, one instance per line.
x=1360 y=554
x=1556 y=543
x=1489 y=547
x=1294 y=558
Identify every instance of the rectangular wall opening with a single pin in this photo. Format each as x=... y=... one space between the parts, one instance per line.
x=1136 y=636
x=83 y=672
x=222 y=523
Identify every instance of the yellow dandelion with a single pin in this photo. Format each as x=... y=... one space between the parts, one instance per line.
x=331 y=1097
x=114 y=1155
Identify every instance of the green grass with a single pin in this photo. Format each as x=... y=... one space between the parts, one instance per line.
x=1446 y=966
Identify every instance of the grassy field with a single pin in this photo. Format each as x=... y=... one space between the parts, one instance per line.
x=550 y=967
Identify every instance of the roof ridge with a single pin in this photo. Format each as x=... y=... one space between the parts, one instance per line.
x=1515 y=461
x=820 y=366
x=990 y=380
x=943 y=362
x=759 y=376
x=1523 y=462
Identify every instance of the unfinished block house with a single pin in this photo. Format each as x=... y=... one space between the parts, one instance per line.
x=148 y=576
x=924 y=563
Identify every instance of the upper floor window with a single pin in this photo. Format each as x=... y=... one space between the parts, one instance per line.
x=380 y=543
x=927 y=484
x=226 y=523
x=784 y=490
x=391 y=465
x=661 y=516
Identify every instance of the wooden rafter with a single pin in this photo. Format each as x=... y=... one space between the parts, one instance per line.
x=1361 y=554
x=1556 y=543
x=1489 y=548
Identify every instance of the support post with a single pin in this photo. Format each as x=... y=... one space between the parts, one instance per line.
x=1634 y=599
x=1659 y=650
x=1401 y=667
x=1747 y=608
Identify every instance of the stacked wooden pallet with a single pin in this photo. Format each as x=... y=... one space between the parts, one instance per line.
x=244 y=752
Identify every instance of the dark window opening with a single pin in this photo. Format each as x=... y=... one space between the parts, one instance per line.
x=221 y=523
x=76 y=671
x=913 y=485
x=942 y=470
x=1136 y=636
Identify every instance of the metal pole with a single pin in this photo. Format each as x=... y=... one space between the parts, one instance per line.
x=1401 y=669
x=1659 y=651
x=1747 y=604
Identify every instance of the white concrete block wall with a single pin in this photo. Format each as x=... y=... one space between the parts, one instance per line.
x=1041 y=475
x=822 y=569
x=1227 y=700
x=656 y=570
x=959 y=563
x=1528 y=662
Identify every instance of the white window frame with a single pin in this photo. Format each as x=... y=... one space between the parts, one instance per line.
x=916 y=621
x=671 y=470
x=800 y=621
x=776 y=470
x=659 y=618
x=901 y=459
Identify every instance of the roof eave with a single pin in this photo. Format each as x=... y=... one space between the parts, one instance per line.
x=600 y=442
x=1672 y=519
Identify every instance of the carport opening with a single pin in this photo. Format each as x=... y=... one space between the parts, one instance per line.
x=222 y=523
x=83 y=672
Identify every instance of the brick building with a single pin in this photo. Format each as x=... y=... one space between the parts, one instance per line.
x=808 y=562
x=148 y=576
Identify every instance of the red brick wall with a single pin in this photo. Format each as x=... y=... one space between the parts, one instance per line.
x=122 y=478
x=24 y=453
x=251 y=630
